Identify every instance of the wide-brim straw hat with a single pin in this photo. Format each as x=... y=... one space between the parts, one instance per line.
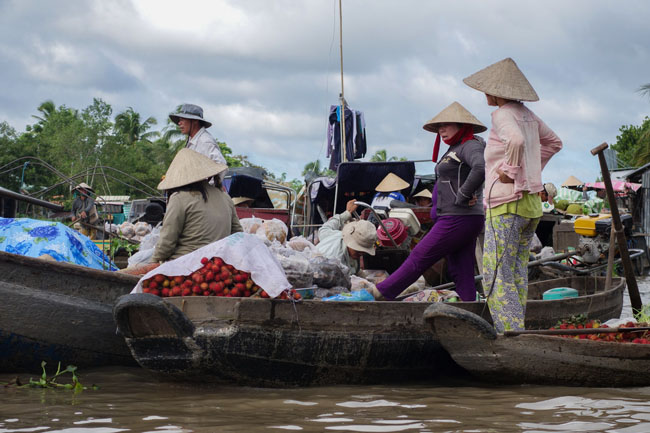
x=240 y=200
x=84 y=185
x=424 y=193
x=360 y=236
x=190 y=111
x=188 y=167
x=454 y=113
x=392 y=182
x=503 y=79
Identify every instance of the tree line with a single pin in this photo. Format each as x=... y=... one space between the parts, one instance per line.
x=120 y=155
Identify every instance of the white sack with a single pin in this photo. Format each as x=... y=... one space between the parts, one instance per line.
x=243 y=251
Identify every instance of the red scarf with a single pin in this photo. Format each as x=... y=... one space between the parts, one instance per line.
x=464 y=133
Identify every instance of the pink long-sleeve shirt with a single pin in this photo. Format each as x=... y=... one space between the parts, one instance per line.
x=520 y=144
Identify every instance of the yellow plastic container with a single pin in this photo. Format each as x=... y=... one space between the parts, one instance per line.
x=586 y=225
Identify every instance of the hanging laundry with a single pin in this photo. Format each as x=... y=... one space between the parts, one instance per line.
x=355 y=135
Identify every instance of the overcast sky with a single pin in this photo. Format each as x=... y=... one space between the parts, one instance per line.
x=266 y=71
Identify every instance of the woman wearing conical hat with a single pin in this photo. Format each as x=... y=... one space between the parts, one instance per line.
x=519 y=146
x=456 y=212
x=388 y=190
x=197 y=213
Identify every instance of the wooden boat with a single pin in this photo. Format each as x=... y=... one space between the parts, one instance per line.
x=539 y=359
x=266 y=342
x=53 y=311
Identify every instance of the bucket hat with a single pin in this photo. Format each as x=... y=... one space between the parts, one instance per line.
x=424 y=193
x=360 y=236
x=239 y=200
x=190 y=111
x=454 y=113
x=550 y=189
x=188 y=167
x=392 y=182
x=503 y=79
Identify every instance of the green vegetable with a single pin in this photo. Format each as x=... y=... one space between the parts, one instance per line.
x=562 y=204
x=575 y=209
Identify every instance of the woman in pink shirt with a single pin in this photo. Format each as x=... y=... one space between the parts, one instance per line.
x=519 y=147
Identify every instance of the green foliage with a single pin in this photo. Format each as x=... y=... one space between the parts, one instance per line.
x=643 y=316
x=88 y=145
x=382 y=156
x=120 y=243
x=633 y=144
x=52 y=382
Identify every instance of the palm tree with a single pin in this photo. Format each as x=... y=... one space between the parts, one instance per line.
x=382 y=156
x=645 y=90
x=128 y=124
x=313 y=167
x=47 y=108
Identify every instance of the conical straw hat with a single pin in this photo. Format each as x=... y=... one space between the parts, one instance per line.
x=424 y=193
x=454 y=113
x=84 y=185
x=240 y=200
x=573 y=181
x=392 y=182
x=503 y=79
x=188 y=167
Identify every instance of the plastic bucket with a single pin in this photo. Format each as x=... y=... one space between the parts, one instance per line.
x=560 y=293
x=397 y=230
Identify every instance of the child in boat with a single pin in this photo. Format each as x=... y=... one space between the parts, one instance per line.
x=458 y=220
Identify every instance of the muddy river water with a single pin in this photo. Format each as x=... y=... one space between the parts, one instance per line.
x=130 y=400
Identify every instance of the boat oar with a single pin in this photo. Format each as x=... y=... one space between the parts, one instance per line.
x=574 y=331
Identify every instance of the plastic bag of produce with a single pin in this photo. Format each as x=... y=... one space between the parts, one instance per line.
x=359 y=295
x=142 y=228
x=295 y=264
x=273 y=230
x=329 y=272
x=127 y=229
x=250 y=225
x=300 y=243
x=243 y=251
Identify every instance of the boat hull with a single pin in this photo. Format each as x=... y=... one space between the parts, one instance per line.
x=537 y=359
x=58 y=312
x=266 y=342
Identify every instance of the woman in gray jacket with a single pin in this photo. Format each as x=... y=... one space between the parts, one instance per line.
x=458 y=219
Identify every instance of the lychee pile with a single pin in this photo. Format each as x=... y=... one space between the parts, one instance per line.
x=214 y=278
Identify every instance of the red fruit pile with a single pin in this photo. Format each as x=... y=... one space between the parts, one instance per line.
x=214 y=278
x=637 y=337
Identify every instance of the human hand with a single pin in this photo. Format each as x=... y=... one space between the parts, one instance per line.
x=83 y=214
x=503 y=178
x=472 y=201
x=350 y=206
x=375 y=293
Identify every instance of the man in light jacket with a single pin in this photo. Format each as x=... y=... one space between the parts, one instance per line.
x=347 y=242
x=191 y=122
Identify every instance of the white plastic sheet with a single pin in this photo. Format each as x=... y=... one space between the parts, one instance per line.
x=243 y=251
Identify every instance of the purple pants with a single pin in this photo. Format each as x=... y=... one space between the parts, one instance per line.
x=453 y=237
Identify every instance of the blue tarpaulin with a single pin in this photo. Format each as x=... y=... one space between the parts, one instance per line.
x=34 y=238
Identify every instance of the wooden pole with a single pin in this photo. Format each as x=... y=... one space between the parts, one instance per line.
x=610 y=259
x=342 y=96
x=632 y=288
